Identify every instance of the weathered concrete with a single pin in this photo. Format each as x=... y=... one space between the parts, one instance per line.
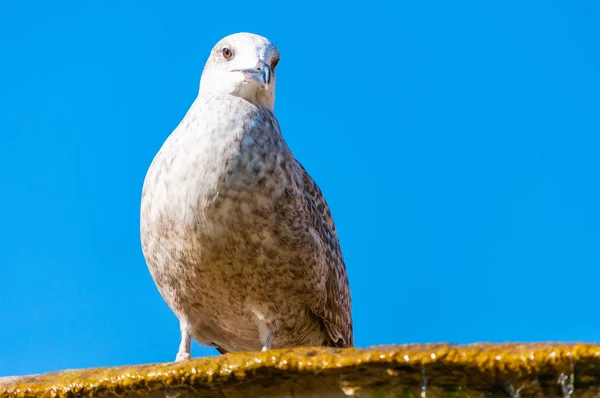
x=480 y=370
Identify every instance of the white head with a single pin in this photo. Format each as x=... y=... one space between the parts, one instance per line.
x=242 y=64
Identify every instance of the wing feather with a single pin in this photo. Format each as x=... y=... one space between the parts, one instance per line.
x=336 y=311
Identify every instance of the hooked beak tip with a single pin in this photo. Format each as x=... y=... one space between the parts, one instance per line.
x=261 y=74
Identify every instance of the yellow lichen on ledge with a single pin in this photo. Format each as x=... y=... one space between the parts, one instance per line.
x=440 y=370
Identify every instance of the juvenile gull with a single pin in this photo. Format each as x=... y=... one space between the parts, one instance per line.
x=237 y=236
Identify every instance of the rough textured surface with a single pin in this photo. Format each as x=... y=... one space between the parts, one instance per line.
x=481 y=370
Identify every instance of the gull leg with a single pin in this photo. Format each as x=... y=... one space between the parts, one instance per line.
x=183 y=353
x=267 y=342
x=265 y=332
x=186 y=342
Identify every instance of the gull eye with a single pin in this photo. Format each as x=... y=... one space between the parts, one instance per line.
x=227 y=53
x=274 y=63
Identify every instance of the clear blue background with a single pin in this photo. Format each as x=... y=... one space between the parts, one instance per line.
x=457 y=144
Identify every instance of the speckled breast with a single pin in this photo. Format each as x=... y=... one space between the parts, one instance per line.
x=218 y=218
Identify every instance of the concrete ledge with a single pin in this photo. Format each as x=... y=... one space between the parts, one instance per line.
x=440 y=370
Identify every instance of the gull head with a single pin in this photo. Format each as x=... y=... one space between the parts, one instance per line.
x=242 y=64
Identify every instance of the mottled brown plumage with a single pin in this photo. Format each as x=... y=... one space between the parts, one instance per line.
x=237 y=236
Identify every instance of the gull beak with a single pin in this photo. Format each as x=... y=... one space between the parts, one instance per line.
x=261 y=74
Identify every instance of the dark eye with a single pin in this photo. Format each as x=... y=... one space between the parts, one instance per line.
x=227 y=53
x=274 y=63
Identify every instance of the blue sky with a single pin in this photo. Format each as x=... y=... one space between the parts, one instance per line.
x=457 y=144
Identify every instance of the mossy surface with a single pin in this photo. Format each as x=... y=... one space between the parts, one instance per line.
x=540 y=370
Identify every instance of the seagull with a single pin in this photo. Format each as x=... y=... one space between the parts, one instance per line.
x=237 y=236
